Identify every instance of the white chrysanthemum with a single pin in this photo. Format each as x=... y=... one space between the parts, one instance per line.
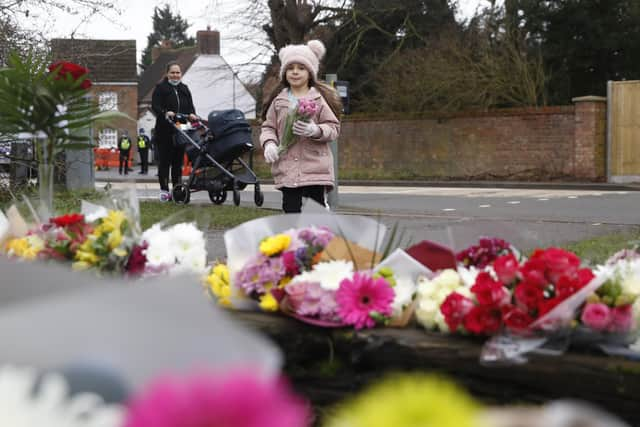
x=180 y=248
x=631 y=278
x=404 y=291
x=50 y=406
x=328 y=274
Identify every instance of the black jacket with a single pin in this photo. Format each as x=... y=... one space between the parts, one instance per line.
x=167 y=97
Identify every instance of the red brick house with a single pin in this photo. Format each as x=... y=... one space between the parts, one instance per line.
x=113 y=70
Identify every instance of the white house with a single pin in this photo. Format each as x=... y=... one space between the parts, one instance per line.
x=213 y=83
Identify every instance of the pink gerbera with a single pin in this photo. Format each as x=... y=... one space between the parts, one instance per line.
x=363 y=296
x=238 y=399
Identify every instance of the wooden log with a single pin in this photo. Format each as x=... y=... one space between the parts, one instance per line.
x=327 y=365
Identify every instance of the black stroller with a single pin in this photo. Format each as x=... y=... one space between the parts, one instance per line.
x=215 y=151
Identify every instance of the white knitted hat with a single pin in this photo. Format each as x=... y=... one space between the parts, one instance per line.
x=308 y=55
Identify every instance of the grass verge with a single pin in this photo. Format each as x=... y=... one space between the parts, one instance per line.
x=597 y=250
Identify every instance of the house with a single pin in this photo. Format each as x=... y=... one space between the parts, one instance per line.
x=213 y=83
x=113 y=72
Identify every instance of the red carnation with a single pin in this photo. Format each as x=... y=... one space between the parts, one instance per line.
x=76 y=71
x=68 y=219
x=137 y=260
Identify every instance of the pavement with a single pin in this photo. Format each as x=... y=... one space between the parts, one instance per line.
x=112 y=175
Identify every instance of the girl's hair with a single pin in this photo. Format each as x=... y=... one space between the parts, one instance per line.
x=171 y=64
x=327 y=91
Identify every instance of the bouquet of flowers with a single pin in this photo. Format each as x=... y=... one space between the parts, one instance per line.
x=610 y=315
x=304 y=110
x=311 y=273
x=520 y=296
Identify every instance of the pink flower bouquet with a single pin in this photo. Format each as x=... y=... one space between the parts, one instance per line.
x=305 y=110
x=312 y=273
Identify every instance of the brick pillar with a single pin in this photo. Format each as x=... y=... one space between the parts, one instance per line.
x=589 y=150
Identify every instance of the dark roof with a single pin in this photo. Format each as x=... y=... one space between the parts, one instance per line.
x=107 y=60
x=157 y=71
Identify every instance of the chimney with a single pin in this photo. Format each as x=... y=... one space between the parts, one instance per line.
x=208 y=42
x=157 y=50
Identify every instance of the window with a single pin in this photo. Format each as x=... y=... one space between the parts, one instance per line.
x=108 y=101
x=108 y=138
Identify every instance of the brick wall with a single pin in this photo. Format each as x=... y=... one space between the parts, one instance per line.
x=562 y=142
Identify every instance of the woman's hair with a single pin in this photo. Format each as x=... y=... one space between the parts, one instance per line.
x=327 y=91
x=171 y=64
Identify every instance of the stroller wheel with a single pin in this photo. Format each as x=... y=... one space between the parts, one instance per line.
x=258 y=196
x=236 y=193
x=181 y=194
x=218 y=197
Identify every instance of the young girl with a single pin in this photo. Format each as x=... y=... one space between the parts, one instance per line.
x=305 y=169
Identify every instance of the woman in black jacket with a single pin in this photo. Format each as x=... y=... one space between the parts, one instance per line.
x=170 y=96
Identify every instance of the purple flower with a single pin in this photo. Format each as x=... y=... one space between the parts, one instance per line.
x=309 y=299
x=259 y=272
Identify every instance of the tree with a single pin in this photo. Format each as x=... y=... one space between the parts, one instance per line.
x=584 y=43
x=166 y=26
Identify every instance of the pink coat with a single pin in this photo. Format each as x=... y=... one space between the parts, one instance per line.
x=309 y=161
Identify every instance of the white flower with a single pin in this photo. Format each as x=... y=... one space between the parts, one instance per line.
x=50 y=405
x=328 y=274
x=432 y=293
x=404 y=291
x=180 y=248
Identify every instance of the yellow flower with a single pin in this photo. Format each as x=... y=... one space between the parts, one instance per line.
x=113 y=221
x=221 y=270
x=275 y=244
x=406 y=401
x=284 y=282
x=268 y=302
x=25 y=247
x=80 y=266
x=114 y=239
x=218 y=281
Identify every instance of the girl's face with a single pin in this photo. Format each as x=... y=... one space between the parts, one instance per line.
x=174 y=73
x=297 y=75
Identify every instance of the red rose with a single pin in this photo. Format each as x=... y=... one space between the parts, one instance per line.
x=454 y=308
x=489 y=292
x=560 y=262
x=482 y=320
x=506 y=268
x=76 y=71
x=533 y=271
x=528 y=295
x=66 y=220
x=516 y=319
x=585 y=275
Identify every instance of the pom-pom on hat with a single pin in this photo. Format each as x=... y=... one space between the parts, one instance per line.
x=308 y=55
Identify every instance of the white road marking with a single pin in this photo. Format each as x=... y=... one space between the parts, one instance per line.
x=484 y=206
x=514 y=202
x=448 y=209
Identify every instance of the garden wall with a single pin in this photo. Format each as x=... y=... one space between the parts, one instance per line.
x=561 y=142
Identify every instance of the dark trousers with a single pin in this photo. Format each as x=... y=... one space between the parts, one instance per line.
x=123 y=162
x=292 y=197
x=144 y=159
x=170 y=159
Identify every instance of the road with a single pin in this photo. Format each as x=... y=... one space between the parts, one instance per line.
x=458 y=216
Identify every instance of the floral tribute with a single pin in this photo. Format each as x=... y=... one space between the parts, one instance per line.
x=304 y=110
x=295 y=272
x=615 y=306
x=517 y=293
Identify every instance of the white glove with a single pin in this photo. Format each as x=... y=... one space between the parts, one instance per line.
x=270 y=152
x=308 y=129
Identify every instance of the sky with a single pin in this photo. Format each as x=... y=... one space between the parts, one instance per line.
x=134 y=22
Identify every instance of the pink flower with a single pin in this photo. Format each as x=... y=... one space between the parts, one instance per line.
x=239 y=399
x=621 y=319
x=596 y=316
x=361 y=297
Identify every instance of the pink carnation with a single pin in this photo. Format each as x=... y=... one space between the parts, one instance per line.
x=596 y=316
x=362 y=297
x=239 y=400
